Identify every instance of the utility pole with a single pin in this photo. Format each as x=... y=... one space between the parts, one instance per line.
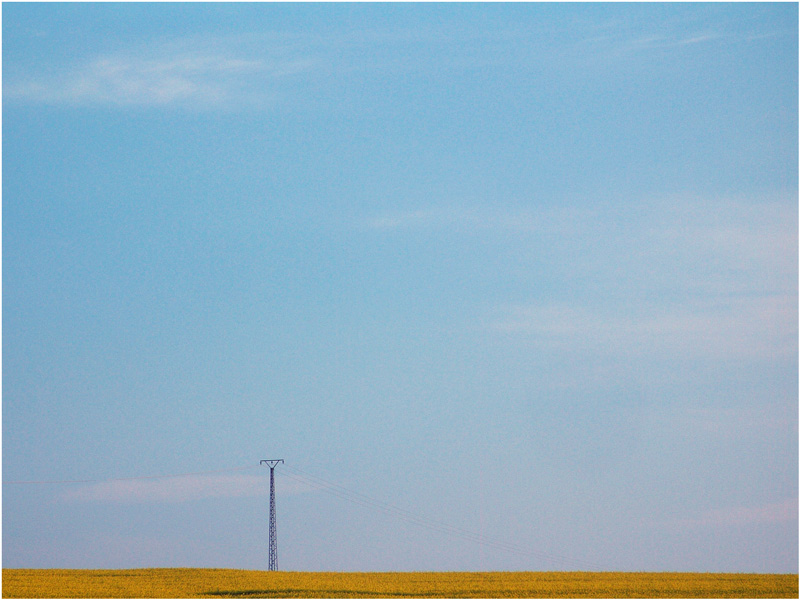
x=273 y=539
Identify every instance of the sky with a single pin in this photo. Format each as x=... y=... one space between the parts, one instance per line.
x=507 y=286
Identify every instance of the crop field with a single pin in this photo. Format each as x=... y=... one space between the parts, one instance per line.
x=231 y=583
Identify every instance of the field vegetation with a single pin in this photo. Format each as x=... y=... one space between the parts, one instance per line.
x=231 y=583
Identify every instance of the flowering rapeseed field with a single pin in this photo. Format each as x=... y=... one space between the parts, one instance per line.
x=231 y=583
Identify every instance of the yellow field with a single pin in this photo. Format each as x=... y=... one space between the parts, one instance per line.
x=230 y=583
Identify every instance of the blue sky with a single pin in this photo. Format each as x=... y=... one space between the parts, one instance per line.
x=520 y=271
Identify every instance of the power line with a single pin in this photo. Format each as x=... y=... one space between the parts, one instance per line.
x=405 y=515
x=354 y=497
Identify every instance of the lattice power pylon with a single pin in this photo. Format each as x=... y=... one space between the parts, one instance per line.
x=273 y=534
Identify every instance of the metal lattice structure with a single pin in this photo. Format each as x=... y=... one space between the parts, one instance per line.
x=273 y=534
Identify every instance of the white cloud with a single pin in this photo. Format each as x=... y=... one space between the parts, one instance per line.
x=774 y=512
x=473 y=219
x=662 y=41
x=162 y=76
x=213 y=71
x=706 y=246
x=768 y=513
x=695 y=277
x=748 y=327
x=180 y=488
x=685 y=278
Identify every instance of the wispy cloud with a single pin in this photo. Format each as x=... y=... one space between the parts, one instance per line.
x=666 y=41
x=623 y=39
x=473 y=219
x=175 y=74
x=721 y=245
x=713 y=241
x=179 y=489
x=690 y=276
x=235 y=69
x=753 y=327
x=784 y=512
x=230 y=70
x=773 y=512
